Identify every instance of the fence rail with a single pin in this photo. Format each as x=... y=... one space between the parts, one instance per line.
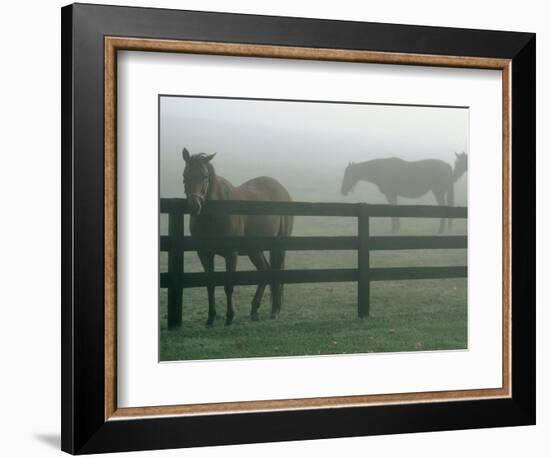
x=176 y=243
x=195 y=279
x=323 y=243
x=176 y=206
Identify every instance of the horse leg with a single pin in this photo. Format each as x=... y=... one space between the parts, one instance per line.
x=277 y=258
x=440 y=198
x=395 y=224
x=260 y=262
x=230 y=266
x=207 y=261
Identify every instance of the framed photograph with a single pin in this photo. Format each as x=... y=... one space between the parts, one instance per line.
x=283 y=228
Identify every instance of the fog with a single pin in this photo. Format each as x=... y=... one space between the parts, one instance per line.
x=304 y=145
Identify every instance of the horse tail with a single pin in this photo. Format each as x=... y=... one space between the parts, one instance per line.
x=287 y=225
x=285 y=230
x=277 y=256
x=277 y=260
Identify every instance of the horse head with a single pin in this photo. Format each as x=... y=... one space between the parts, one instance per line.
x=461 y=165
x=350 y=179
x=197 y=178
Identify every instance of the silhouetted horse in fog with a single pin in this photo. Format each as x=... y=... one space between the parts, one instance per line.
x=202 y=184
x=396 y=177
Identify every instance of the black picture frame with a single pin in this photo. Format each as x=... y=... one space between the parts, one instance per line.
x=84 y=428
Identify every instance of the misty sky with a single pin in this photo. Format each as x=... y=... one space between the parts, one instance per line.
x=306 y=146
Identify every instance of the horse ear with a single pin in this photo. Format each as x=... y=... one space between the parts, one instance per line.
x=185 y=154
x=456 y=154
x=209 y=157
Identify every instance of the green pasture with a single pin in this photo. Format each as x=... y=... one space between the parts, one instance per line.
x=322 y=318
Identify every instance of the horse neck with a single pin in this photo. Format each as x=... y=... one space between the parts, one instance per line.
x=457 y=174
x=366 y=171
x=218 y=187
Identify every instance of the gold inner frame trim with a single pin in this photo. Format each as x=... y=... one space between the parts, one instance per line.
x=114 y=44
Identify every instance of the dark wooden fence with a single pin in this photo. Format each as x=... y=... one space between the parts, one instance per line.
x=175 y=243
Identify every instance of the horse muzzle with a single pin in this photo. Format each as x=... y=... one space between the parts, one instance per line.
x=195 y=203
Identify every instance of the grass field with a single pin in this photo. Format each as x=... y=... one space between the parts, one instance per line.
x=322 y=318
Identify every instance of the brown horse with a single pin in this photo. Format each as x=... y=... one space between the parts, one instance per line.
x=202 y=184
x=396 y=177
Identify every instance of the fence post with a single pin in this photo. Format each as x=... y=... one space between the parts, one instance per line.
x=175 y=269
x=363 y=262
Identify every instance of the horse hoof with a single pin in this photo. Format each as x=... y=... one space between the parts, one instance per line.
x=210 y=322
x=228 y=320
x=254 y=316
x=274 y=316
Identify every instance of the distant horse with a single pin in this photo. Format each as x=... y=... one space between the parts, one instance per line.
x=396 y=177
x=202 y=184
